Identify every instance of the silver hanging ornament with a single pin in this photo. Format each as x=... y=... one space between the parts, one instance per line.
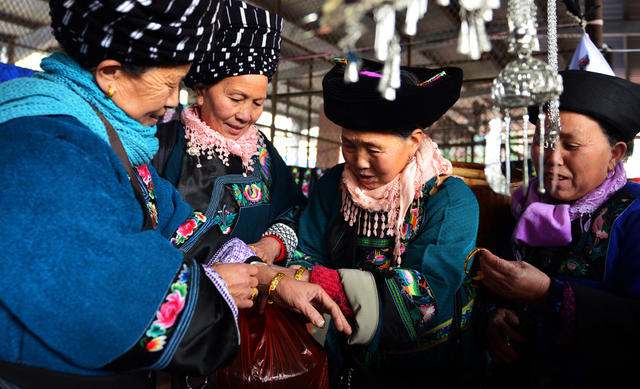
x=492 y=161
x=336 y=13
x=473 y=39
x=524 y=82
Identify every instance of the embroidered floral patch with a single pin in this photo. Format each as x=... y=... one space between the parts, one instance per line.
x=225 y=219
x=415 y=287
x=155 y=338
x=188 y=228
x=150 y=195
x=253 y=193
x=250 y=194
x=379 y=258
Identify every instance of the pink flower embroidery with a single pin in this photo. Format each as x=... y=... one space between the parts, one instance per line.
x=253 y=193
x=597 y=226
x=144 y=173
x=170 y=310
x=187 y=228
x=427 y=312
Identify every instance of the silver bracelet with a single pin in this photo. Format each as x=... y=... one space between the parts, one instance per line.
x=288 y=237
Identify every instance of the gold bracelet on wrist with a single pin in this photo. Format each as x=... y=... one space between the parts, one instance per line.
x=273 y=285
x=299 y=272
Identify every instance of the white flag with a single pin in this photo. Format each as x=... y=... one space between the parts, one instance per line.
x=588 y=57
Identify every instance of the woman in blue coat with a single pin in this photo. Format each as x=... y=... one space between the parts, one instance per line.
x=107 y=274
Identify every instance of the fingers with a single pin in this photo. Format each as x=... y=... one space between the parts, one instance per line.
x=329 y=306
x=252 y=270
x=244 y=299
x=492 y=264
x=502 y=335
x=502 y=351
x=307 y=309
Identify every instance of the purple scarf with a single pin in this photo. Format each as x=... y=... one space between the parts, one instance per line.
x=544 y=224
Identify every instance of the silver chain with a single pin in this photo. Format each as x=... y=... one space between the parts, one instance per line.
x=552 y=59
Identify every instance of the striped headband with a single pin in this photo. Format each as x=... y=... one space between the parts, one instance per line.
x=136 y=32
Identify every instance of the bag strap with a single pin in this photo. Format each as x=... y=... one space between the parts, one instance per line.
x=439 y=180
x=116 y=145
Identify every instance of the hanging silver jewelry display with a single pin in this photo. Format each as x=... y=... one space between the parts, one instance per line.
x=336 y=13
x=473 y=39
x=524 y=82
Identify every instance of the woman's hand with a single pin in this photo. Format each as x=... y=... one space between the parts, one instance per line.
x=310 y=300
x=502 y=334
x=241 y=281
x=302 y=297
x=517 y=281
x=267 y=248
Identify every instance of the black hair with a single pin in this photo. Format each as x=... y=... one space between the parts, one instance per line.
x=614 y=137
x=136 y=70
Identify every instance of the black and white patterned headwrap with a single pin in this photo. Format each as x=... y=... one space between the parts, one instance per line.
x=136 y=32
x=247 y=41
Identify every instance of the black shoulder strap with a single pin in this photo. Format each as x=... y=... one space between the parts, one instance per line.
x=116 y=145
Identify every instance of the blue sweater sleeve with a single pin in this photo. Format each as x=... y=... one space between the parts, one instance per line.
x=79 y=276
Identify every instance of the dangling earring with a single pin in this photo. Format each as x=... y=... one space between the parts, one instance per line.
x=610 y=174
x=410 y=158
x=111 y=92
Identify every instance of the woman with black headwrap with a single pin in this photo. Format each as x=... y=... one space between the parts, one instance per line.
x=97 y=279
x=386 y=234
x=212 y=152
x=578 y=246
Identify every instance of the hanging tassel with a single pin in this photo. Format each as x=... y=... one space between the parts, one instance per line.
x=375 y=224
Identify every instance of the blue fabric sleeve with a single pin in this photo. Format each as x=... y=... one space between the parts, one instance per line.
x=78 y=274
x=622 y=273
x=448 y=235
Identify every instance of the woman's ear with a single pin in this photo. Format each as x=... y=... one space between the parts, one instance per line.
x=617 y=153
x=107 y=74
x=200 y=92
x=415 y=140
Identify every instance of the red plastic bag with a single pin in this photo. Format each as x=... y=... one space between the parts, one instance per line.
x=276 y=351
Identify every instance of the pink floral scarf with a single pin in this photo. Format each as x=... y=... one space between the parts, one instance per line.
x=205 y=141
x=389 y=203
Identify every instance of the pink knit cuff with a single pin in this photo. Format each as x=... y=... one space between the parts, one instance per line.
x=329 y=279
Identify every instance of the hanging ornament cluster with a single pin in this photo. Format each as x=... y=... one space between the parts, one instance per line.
x=350 y=15
x=473 y=39
x=524 y=82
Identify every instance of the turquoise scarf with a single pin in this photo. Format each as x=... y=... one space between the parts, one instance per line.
x=64 y=88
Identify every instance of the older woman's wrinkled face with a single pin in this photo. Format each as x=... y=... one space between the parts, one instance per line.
x=376 y=158
x=232 y=105
x=582 y=157
x=145 y=97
